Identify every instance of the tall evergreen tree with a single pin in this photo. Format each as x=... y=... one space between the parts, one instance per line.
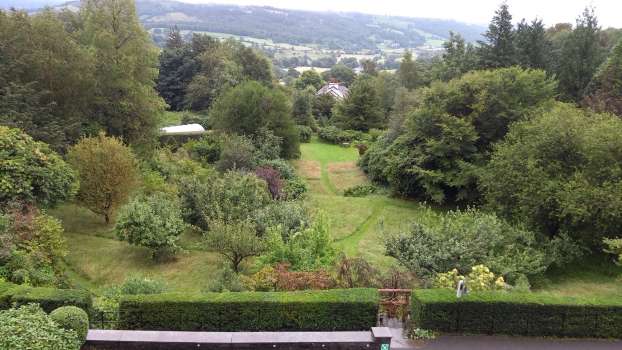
x=580 y=57
x=407 y=72
x=459 y=58
x=126 y=102
x=604 y=94
x=497 y=50
x=361 y=110
x=533 y=49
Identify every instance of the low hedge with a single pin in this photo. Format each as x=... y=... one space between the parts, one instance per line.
x=49 y=298
x=517 y=314
x=332 y=310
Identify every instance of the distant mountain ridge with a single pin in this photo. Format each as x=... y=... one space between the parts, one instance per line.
x=332 y=30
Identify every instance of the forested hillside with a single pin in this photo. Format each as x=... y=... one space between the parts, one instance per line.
x=345 y=31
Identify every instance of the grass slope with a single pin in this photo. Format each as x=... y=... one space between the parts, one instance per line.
x=359 y=225
x=97 y=259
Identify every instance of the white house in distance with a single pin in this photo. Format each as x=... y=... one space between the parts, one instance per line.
x=188 y=129
x=335 y=89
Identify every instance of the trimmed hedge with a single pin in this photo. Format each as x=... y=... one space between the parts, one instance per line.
x=49 y=298
x=331 y=310
x=517 y=314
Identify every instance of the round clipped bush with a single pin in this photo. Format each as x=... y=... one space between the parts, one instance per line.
x=72 y=318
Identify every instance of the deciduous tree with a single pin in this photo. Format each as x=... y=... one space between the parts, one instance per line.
x=107 y=171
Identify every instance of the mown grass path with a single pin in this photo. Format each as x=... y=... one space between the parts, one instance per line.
x=359 y=225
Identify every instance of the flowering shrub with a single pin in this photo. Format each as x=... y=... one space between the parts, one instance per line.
x=448 y=280
x=479 y=279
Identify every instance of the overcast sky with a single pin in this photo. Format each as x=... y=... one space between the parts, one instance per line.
x=609 y=12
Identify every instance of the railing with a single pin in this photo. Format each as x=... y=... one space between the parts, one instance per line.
x=394 y=303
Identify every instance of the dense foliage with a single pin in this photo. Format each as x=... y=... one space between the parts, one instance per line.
x=250 y=107
x=107 y=170
x=32 y=247
x=334 y=310
x=154 y=222
x=32 y=173
x=559 y=173
x=451 y=132
x=462 y=240
x=236 y=241
x=72 y=318
x=361 y=110
x=29 y=328
x=506 y=313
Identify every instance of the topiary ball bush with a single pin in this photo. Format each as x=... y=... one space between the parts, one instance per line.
x=72 y=318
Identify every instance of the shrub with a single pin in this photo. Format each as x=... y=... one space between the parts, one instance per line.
x=137 y=284
x=614 y=246
x=30 y=172
x=273 y=179
x=331 y=310
x=72 y=318
x=333 y=134
x=207 y=149
x=284 y=168
x=305 y=133
x=29 y=328
x=463 y=239
x=154 y=222
x=233 y=197
x=307 y=250
x=238 y=153
x=516 y=314
x=226 y=280
x=289 y=217
x=295 y=189
x=359 y=191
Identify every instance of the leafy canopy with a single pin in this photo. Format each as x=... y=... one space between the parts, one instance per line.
x=108 y=173
x=32 y=173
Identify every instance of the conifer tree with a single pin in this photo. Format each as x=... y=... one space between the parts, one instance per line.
x=497 y=50
x=533 y=49
x=408 y=71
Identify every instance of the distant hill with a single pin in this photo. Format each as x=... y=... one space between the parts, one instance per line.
x=332 y=30
x=29 y=4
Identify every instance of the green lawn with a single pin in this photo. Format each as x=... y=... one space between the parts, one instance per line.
x=97 y=259
x=360 y=225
